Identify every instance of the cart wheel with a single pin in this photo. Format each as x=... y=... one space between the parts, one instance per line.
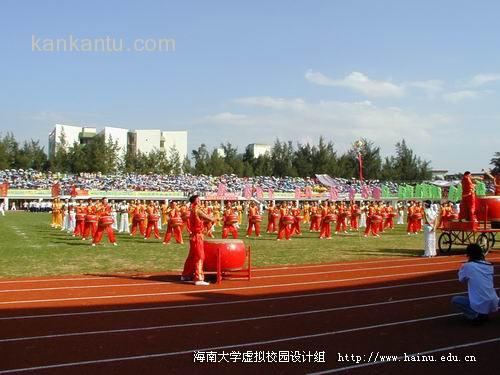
x=444 y=243
x=484 y=242
x=492 y=239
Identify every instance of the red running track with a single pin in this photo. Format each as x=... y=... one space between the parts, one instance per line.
x=324 y=318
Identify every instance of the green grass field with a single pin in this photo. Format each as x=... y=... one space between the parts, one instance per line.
x=30 y=247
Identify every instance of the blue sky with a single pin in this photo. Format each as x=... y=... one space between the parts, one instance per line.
x=426 y=71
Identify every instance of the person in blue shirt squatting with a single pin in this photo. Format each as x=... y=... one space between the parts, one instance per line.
x=482 y=298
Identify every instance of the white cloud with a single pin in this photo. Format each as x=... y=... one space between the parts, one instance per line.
x=359 y=82
x=458 y=96
x=431 y=87
x=226 y=118
x=300 y=120
x=482 y=79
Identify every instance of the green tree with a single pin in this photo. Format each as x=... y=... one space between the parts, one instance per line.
x=407 y=166
x=495 y=162
x=186 y=166
x=174 y=159
x=59 y=161
x=201 y=160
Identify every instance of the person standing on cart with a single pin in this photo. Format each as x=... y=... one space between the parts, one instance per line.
x=468 y=202
x=496 y=180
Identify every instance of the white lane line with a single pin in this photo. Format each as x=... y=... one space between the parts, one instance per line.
x=166 y=282
x=86 y=287
x=225 y=321
x=254 y=277
x=358 y=269
x=114 y=311
x=218 y=290
x=416 y=260
x=63 y=279
x=347 y=263
x=447 y=348
x=232 y=346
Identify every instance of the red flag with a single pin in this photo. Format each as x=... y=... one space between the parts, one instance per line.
x=259 y=193
x=360 y=159
x=270 y=192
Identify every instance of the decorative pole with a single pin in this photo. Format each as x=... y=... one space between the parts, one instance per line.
x=358 y=146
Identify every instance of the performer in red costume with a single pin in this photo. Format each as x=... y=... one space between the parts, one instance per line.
x=230 y=218
x=389 y=220
x=254 y=219
x=297 y=219
x=138 y=219
x=193 y=267
x=285 y=229
x=272 y=215
x=468 y=202
x=326 y=230
x=355 y=212
x=153 y=216
x=90 y=221
x=81 y=211
x=341 y=225
x=174 y=226
x=103 y=210
x=371 y=224
x=315 y=218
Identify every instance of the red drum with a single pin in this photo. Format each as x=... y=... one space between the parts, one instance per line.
x=276 y=214
x=231 y=219
x=299 y=218
x=288 y=219
x=385 y=215
x=330 y=217
x=91 y=218
x=376 y=219
x=175 y=222
x=153 y=217
x=140 y=217
x=357 y=213
x=492 y=202
x=453 y=217
x=232 y=252
x=185 y=216
x=318 y=216
x=416 y=216
x=256 y=218
x=106 y=220
x=80 y=217
x=393 y=214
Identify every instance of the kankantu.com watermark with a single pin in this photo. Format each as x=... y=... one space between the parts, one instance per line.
x=105 y=44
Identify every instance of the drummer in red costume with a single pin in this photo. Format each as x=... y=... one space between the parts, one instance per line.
x=468 y=202
x=81 y=211
x=389 y=220
x=174 y=226
x=326 y=211
x=355 y=212
x=90 y=220
x=153 y=216
x=342 y=213
x=254 y=219
x=372 y=221
x=285 y=223
x=103 y=211
x=138 y=219
x=272 y=215
x=298 y=218
x=315 y=217
x=193 y=267
x=230 y=218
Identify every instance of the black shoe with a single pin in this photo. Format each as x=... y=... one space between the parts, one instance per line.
x=479 y=319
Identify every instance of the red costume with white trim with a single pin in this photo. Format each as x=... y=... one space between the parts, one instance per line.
x=104 y=209
x=193 y=267
x=468 y=202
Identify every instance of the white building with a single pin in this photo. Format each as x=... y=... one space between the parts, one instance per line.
x=259 y=149
x=118 y=135
x=71 y=135
x=176 y=139
x=144 y=141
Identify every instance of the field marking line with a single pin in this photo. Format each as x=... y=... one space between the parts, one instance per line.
x=225 y=321
x=222 y=303
x=152 y=283
x=243 y=345
x=437 y=350
x=357 y=269
x=218 y=290
x=49 y=280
